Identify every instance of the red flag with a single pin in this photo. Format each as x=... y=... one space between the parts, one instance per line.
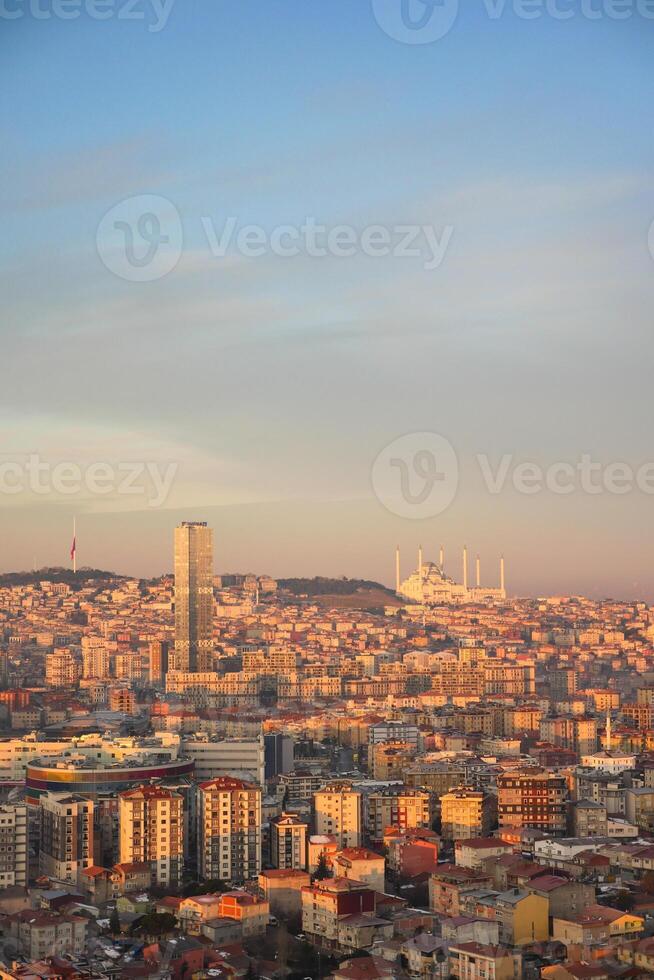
x=72 y=548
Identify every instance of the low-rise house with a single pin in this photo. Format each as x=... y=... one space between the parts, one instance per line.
x=40 y=933
x=131 y=876
x=449 y=884
x=366 y=968
x=411 y=852
x=576 y=971
x=282 y=889
x=621 y=925
x=565 y=898
x=361 y=864
x=252 y=912
x=424 y=955
x=341 y=914
x=474 y=961
x=638 y=954
x=196 y=910
x=523 y=917
x=470 y=929
x=473 y=851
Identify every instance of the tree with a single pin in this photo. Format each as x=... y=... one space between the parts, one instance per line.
x=322 y=870
x=114 y=922
x=156 y=923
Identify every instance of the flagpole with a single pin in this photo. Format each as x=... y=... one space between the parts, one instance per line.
x=74 y=545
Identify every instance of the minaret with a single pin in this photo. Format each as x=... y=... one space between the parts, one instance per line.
x=397 y=569
x=478 y=563
x=420 y=561
x=442 y=558
x=502 y=582
x=465 y=567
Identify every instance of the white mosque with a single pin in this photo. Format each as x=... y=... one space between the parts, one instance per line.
x=430 y=586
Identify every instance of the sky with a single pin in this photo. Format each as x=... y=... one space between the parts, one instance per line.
x=161 y=362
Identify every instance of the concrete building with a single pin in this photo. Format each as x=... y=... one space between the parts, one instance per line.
x=61 y=669
x=337 y=812
x=193 y=597
x=466 y=813
x=474 y=961
x=214 y=756
x=288 y=842
x=229 y=829
x=282 y=888
x=151 y=829
x=400 y=807
x=158 y=666
x=36 y=934
x=390 y=760
x=533 y=798
x=13 y=845
x=66 y=836
x=361 y=864
x=278 y=754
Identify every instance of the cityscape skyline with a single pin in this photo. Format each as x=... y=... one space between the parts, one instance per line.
x=272 y=382
x=233 y=558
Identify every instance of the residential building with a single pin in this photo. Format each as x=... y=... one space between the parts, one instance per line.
x=466 y=812
x=337 y=812
x=532 y=798
x=229 y=829
x=400 y=807
x=66 y=836
x=361 y=864
x=13 y=845
x=474 y=961
x=151 y=829
x=288 y=842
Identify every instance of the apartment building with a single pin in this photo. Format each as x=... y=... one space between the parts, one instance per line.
x=533 y=798
x=13 y=845
x=39 y=933
x=465 y=813
x=229 y=829
x=400 y=807
x=337 y=812
x=61 y=669
x=66 y=836
x=288 y=842
x=151 y=829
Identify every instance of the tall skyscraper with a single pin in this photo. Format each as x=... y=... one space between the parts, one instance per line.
x=193 y=597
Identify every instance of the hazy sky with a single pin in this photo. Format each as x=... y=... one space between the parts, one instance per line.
x=271 y=383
